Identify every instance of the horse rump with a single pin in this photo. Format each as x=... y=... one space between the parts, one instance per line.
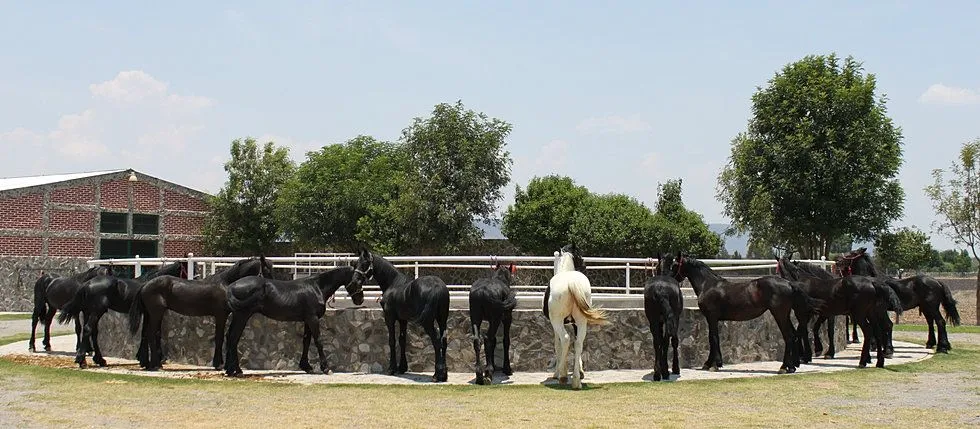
x=593 y=315
x=74 y=306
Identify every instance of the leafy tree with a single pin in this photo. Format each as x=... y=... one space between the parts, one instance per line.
x=723 y=253
x=759 y=249
x=613 y=225
x=819 y=159
x=243 y=218
x=952 y=260
x=675 y=227
x=957 y=202
x=906 y=248
x=540 y=220
x=736 y=255
x=457 y=168
x=337 y=186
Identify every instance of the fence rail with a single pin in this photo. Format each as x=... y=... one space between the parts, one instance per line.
x=304 y=265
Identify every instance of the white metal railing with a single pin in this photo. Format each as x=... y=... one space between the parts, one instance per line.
x=302 y=265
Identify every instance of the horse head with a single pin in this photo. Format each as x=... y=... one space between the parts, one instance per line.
x=676 y=268
x=855 y=262
x=570 y=259
x=504 y=272
x=363 y=270
x=265 y=268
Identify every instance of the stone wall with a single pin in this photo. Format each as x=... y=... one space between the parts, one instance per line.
x=356 y=340
x=18 y=274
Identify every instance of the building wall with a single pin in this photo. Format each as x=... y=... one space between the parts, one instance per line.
x=63 y=219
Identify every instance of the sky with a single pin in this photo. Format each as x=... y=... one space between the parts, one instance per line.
x=619 y=96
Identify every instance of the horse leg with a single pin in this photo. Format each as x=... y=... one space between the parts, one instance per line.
x=392 y=363
x=47 y=330
x=314 y=327
x=233 y=366
x=477 y=344
x=658 y=348
x=676 y=367
x=713 y=344
x=942 y=346
x=304 y=359
x=35 y=317
x=156 y=346
x=817 y=344
x=885 y=325
x=802 y=340
x=441 y=373
x=94 y=337
x=931 y=342
x=854 y=331
x=790 y=361
x=561 y=350
x=583 y=326
x=402 y=343
x=82 y=346
x=507 y=369
x=831 y=347
x=219 y=340
x=490 y=348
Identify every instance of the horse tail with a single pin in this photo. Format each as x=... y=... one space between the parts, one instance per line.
x=239 y=304
x=136 y=311
x=40 y=295
x=547 y=294
x=74 y=306
x=668 y=311
x=592 y=315
x=803 y=302
x=949 y=304
x=506 y=304
x=885 y=293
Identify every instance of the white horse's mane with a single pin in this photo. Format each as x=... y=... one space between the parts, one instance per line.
x=566 y=263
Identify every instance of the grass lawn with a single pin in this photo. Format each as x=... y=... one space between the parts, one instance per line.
x=870 y=397
x=962 y=329
x=19 y=316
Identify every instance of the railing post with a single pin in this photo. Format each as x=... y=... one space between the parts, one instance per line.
x=823 y=262
x=138 y=268
x=627 y=278
x=416 y=269
x=190 y=266
x=557 y=260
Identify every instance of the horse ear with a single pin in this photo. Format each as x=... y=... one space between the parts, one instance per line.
x=513 y=268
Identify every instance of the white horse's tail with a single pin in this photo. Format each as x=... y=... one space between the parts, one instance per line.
x=595 y=316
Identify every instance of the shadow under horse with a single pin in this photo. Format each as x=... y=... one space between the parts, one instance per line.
x=52 y=292
x=720 y=299
x=856 y=296
x=663 y=304
x=492 y=299
x=301 y=300
x=201 y=298
x=101 y=294
x=424 y=301
x=921 y=291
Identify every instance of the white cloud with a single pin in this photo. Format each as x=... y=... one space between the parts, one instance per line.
x=650 y=161
x=136 y=86
x=613 y=125
x=942 y=94
x=552 y=156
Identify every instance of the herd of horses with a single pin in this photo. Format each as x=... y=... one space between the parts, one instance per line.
x=805 y=291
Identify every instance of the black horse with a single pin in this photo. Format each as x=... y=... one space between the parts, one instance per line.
x=720 y=299
x=921 y=291
x=205 y=297
x=101 y=294
x=491 y=299
x=51 y=292
x=301 y=300
x=857 y=296
x=424 y=301
x=663 y=304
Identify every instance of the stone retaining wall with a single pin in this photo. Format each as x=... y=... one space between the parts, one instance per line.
x=357 y=340
x=18 y=274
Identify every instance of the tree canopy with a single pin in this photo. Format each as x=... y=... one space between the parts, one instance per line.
x=818 y=161
x=244 y=218
x=540 y=220
x=906 y=248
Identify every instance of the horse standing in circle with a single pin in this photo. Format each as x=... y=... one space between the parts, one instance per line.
x=491 y=299
x=101 y=294
x=424 y=301
x=720 y=299
x=571 y=296
x=301 y=300
x=663 y=304
x=921 y=291
x=205 y=297
x=52 y=292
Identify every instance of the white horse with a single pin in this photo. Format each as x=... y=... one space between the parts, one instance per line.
x=571 y=295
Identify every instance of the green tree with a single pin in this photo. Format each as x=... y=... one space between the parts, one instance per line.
x=674 y=227
x=906 y=248
x=957 y=202
x=540 y=220
x=736 y=255
x=243 y=217
x=954 y=260
x=819 y=159
x=337 y=186
x=759 y=249
x=458 y=167
x=613 y=225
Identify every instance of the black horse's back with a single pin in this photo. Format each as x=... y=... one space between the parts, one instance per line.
x=247 y=293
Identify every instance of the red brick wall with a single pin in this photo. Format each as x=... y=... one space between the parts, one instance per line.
x=115 y=194
x=78 y=195
x=146 y=197
x=20 y=246
x=177 y=201
x=184 y=225
x=22 y=212
x=71 y=220
x=179 y=249
x=69 y=246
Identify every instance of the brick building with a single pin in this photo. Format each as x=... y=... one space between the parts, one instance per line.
x=103 y=214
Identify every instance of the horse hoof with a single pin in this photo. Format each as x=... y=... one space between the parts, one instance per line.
x=47 y=348
x=676 y=371
x=656 y=377
x=440 y=378
x=326 y=371
x=101 y=363
x=713 y=369
x=862 y=365
x=782 y=371
x=576 y=385
x=236 y=373
x=508 y=371
x=32 y=349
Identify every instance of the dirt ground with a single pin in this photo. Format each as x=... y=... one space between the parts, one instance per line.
x=966 y=305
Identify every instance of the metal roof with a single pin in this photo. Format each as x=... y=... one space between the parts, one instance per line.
x=26 y=182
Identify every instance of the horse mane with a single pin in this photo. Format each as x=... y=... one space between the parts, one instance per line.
x=867 y=260
x=814 y=270
x=385 y=272
x=331 y=279
x=704 y=269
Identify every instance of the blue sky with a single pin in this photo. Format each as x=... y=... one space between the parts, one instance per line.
x=619 y=96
